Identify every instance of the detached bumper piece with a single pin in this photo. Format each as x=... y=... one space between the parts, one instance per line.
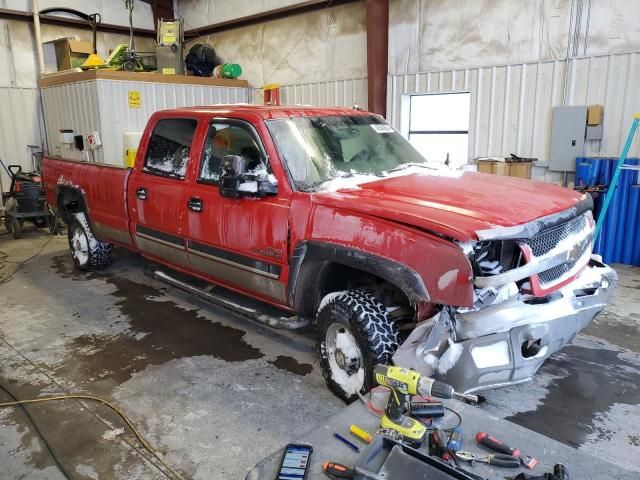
x=505 y=344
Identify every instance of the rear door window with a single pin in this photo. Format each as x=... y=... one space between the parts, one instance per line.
x=170 y=147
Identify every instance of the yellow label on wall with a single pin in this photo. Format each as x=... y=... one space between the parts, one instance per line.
x=134 y=99
x=168 y=71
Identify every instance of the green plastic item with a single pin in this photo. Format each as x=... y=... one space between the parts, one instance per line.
x=228 y=70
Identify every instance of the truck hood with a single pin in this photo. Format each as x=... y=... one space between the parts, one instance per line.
x=451 y=203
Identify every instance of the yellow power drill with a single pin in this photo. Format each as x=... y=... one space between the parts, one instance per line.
x=403 y=384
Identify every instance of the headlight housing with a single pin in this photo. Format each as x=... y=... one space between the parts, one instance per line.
x=493 y=257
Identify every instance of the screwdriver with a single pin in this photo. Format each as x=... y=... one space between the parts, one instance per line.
x=337 y=470
x=455 y=439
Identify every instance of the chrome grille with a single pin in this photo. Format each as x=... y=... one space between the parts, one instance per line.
x=545 y=241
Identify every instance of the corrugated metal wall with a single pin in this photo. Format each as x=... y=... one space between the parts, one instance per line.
x=334 y=93
x=19 y=127
x=70 y=106
x=511 y=104
x=103 y=105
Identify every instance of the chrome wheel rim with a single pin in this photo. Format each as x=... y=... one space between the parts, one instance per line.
x=80 y=247
x=345 y=358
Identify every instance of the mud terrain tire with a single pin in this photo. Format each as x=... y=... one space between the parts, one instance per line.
x=358 y=320
x=88 y=253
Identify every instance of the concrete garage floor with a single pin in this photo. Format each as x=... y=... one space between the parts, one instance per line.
x=215 y=392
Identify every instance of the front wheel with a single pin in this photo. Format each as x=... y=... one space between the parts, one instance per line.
x=354 y=333
x=88 y=253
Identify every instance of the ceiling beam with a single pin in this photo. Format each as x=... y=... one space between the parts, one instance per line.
x=161 y=9
x=20 y=16
x=275 y=14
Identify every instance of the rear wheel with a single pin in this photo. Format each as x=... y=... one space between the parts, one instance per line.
x=14 y=226
x=354 y=333
x=87 y=252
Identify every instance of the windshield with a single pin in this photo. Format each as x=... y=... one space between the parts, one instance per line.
x=318 y=150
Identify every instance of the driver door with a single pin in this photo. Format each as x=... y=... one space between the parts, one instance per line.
x=238 y=242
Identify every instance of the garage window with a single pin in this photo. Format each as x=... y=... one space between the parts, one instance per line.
x=170 y=147
x=439 y=127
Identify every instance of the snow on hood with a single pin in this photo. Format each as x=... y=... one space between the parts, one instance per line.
x=450 y=202
x=354 y=181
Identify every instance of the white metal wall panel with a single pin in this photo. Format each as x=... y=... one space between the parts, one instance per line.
x=103 y=106
x=511 y=104
x=71 y=106
x=19 y=127
x=334 y=93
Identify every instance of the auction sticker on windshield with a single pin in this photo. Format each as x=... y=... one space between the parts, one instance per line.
x=382 y=127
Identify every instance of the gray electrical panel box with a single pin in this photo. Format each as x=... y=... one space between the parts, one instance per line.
x=568 y=127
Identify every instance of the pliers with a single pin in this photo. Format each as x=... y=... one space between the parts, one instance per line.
x=497 y=459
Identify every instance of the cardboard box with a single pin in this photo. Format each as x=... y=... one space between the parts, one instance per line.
x=594 y=114
x=502 y=168
x=505 y=169
x=69 y=53
x=485 y=166
x=491 y=166
x=520 y=169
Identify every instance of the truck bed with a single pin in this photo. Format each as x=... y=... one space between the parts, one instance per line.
x=104 y=188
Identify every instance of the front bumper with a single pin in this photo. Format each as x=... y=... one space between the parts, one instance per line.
x=505 y=344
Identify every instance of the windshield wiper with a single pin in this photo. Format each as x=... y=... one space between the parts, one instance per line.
x=411 y=164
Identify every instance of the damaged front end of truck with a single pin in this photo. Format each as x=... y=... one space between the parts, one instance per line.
x=535 y=287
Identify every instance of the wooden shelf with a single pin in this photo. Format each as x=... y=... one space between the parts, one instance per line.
x=72 y=77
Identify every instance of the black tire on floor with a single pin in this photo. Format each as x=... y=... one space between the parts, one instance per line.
x=88 y=253
x=15 y=227
x=40 y=222
x=359 y=317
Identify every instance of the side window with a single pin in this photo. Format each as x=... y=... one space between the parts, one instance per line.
x=169 y=147
x=228 y=139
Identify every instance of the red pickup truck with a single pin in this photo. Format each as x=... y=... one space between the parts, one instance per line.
x=331 y=215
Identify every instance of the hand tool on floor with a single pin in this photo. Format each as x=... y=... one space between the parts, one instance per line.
x=496 y=445
x=439 y=446
x=426 y=409
x=361 y=433
x=560 y=472
x=497 y=459
x=455 y=439
x=349 y=444
x=403 y=384
x=337 y=470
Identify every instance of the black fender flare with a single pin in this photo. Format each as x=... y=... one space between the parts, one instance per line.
x=403 y=277
x=66 y=191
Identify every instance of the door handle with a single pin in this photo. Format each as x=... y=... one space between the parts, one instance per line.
x=195 y=204
x=141 y=193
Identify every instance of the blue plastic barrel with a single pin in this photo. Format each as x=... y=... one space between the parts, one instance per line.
x=606 y=169
x=622 y=192
x=587 y=172
x=612 y=227
x=630 y=243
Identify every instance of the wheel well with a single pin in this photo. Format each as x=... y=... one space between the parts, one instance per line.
x=319 y=278
x=69 y=201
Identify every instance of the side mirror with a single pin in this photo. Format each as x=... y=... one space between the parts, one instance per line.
x=236 y=181
x=231 y=171
x=233 y=166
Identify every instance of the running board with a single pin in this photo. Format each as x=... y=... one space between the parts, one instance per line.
x=247 y=307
